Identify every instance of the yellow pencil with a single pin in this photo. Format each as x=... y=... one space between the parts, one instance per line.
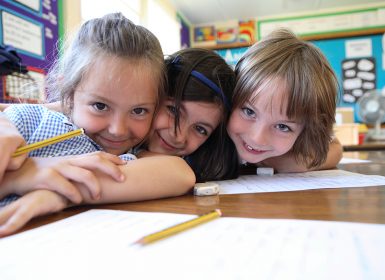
x=180 y=227
x=46 y=142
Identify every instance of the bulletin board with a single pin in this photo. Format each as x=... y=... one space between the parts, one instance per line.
x=32 y=28
x=358 y=63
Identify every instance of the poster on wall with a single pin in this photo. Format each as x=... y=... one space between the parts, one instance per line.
x=204 y=35
x=358 y=77
x=31 y=27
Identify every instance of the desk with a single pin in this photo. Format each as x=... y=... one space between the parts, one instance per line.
x=366 y=146
x=347 y=204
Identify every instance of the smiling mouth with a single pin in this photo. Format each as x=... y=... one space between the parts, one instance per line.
x=114 y=142
x=165 y=144
x=252 y=150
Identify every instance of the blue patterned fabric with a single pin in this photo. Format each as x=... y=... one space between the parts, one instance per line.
x=36 y=123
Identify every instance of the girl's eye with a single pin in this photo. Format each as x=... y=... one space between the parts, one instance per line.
x=283 y=127
x=201 y=130
x=100 y=106
x=139 y=111
x=248 y=112
x=171 y=109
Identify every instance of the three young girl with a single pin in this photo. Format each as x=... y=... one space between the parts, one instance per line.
x=268 y=104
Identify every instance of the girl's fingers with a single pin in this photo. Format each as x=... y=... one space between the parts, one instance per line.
x=16 y=162
x=33 y=204
x=9 y=144
x=54 y=181
x=7 y=211
x=103 y=162
x=13 y=218
x=83 y=176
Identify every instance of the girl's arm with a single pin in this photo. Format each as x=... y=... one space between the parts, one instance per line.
x=33 y=204
x=60 y=173
x=287 y=163
x=145 y=178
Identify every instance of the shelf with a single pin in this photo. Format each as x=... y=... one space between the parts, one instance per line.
x=229 y=46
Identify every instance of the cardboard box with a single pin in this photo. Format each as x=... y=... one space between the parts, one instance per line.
x=344 y=115
x=347 y=133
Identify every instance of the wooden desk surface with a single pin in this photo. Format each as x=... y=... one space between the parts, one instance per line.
x=346 y=204
x=366 y=146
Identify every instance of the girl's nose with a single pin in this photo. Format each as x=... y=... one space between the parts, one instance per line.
x=181 y=134
x=118 y=126
x=259 y=135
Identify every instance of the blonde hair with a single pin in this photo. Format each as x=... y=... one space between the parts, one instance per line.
x=311 y=85
x=110 y=35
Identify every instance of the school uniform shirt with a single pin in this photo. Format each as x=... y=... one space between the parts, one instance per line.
x=36 y=123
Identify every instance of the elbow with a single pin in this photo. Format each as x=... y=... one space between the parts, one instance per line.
x=186 y=179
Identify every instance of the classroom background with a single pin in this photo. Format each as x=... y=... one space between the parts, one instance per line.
x=350 y=33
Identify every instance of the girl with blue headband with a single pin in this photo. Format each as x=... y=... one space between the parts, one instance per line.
x=192 y=120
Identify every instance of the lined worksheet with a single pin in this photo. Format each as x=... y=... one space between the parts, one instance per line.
x=99 y=244
x=282 y=182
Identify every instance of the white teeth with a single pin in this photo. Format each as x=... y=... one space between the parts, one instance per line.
x=249 y=148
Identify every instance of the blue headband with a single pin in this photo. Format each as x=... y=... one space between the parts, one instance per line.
x=203 y=79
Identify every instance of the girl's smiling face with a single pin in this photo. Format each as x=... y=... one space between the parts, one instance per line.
x=197 y=121
x=115 y=103
x=260 y=128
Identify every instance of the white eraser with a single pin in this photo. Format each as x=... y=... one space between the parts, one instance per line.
x=208 y=188
x=265 y=171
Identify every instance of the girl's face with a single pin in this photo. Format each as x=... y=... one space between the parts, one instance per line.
x=115 y=103
x=197 y=121
x=260 y=129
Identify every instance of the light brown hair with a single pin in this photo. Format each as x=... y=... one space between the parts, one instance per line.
x=112 y=35
x=311 y=83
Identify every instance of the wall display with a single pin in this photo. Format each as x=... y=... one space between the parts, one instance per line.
x=232 y=55
x=246 y=31
x=357 y=62
x=326 y=23
x=204 y=35
x=226 y=35
x=31 y=27
x=358 y=77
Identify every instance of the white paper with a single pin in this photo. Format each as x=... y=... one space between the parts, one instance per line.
x=97 y=244
x=282 y=182
x=358 y=48
x=352 y=160
x=23 y=34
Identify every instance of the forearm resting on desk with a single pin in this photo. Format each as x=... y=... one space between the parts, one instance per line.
x=287 y=162
x=147 y=178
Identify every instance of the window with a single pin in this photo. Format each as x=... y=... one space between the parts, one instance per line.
x=156 y=15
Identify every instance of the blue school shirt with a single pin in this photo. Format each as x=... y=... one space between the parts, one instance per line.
x=36 y=123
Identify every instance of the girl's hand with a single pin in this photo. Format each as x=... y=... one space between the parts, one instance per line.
x=33 y=204
x=10 y=140
x=60 y=173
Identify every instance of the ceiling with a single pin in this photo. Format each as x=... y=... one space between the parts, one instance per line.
x=198 y=12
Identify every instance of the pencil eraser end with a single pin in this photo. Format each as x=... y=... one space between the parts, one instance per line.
x=208 y=188
x=265 y=171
